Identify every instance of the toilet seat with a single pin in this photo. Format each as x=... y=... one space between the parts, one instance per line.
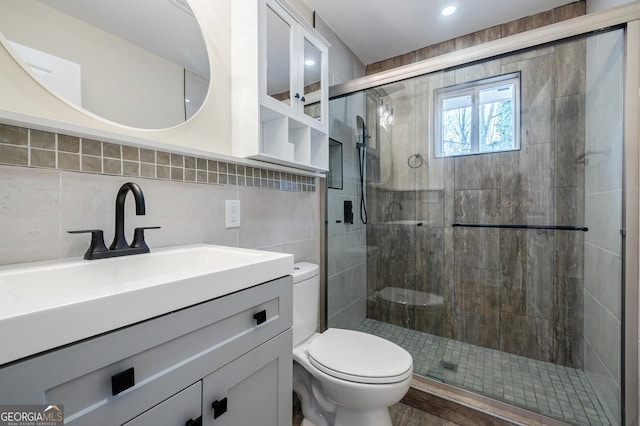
x=359 y=357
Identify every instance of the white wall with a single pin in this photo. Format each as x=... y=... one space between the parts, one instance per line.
x=120 y=81
x=38 y=205
x=302 y=9
x=597 y=5
x=344 y=65
x=210 y=130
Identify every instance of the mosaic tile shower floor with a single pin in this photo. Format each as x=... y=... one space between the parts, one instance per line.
x=552 y=390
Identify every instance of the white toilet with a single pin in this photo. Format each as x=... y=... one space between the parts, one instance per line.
x=342 y=377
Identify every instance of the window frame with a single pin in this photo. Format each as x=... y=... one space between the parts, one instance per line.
x=473 y=88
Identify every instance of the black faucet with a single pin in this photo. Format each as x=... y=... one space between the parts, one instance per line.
x=119 y=246
x=119 y=242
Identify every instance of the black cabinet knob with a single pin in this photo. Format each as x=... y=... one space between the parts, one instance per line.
x=297 y=96
x=196 y=422
x=219 y=407
x=122 y=381
x=303 y=99
x=260 y=317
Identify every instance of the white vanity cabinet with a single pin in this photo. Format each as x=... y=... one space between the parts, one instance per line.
x=279 y=87
x=247 y=390
x=181 y=409
x=172 y=368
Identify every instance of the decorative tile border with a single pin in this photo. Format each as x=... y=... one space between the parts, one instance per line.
x=20 y=146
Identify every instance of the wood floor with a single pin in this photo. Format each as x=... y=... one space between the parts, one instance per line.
x=430 y=403
x=402 y=415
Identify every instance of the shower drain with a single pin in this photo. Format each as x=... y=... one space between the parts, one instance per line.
x=450 y=366
x=439 y=374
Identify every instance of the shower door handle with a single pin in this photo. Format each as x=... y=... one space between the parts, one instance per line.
x=510 y=226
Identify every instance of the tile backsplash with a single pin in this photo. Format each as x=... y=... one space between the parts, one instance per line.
x=20 y=146
x=51 y=183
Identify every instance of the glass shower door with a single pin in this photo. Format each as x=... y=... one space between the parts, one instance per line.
x=497 y=264
x=603 y=198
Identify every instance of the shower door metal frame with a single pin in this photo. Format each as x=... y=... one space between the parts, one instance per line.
x=626 y=15
x=631 y=219
x=554 y=32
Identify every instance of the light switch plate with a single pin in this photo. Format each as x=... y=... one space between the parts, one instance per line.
x=232 y=213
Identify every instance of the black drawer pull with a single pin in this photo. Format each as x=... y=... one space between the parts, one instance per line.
x=219 y=407
x=196 y=422
x=260 y=317
x=122 y=381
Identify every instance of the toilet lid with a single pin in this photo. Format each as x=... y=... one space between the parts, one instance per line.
x=359 y=357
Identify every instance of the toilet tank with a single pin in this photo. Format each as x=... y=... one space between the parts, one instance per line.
x=306 y=300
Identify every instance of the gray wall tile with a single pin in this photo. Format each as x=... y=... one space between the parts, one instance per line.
x=30 y=204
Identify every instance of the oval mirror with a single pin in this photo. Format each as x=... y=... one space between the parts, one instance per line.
x=139 y=63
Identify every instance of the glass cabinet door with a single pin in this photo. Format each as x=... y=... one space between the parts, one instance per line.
x=279 y=37
x=312 y=63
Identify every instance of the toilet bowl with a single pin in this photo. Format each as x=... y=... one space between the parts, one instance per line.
x=342 y=377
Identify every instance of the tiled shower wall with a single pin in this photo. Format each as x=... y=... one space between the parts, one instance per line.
x=519 y=291
x=346 y=242
x=346 y=274
x=603 y=192
x=407 y=256
x=52 y=183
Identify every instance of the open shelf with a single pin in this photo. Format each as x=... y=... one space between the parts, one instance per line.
x=292 y=142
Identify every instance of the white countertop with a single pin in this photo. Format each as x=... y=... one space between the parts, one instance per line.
x=44 y=305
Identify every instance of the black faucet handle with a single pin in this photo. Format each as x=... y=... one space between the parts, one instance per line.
x=97 y=246
x=138 y=237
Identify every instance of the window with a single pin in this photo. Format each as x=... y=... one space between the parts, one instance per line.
x=478 y=117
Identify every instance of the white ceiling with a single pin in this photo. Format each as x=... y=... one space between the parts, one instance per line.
x=381 y=29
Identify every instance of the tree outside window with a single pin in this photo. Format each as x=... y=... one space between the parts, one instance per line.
x=478 y=117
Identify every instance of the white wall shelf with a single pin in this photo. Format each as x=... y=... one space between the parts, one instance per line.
x=279 y=98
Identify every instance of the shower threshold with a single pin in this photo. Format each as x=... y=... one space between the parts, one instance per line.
x=551 y=390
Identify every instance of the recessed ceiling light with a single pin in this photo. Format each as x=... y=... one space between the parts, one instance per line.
x=309 y=62
x=448 y=10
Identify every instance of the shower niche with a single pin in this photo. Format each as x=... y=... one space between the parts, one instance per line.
x=335 y=175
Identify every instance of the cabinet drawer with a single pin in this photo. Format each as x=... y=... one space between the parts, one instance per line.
x=167 y=354
x=177 y=410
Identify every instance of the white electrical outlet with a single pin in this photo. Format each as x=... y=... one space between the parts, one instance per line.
x=232 y=213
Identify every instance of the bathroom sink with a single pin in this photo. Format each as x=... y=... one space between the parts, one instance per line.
x=44 y=305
